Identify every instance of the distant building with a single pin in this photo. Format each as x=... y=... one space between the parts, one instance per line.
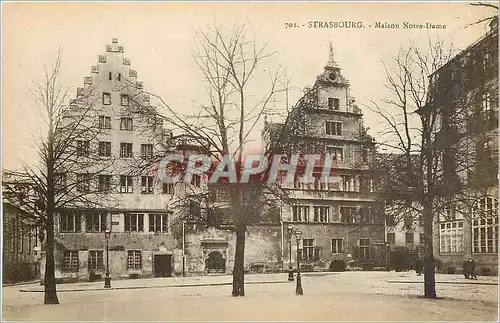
x=465 y=93
x=21 y=245
x=340 y=222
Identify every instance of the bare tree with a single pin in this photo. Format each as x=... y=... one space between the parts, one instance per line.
x=428 y=170
x=71 y=172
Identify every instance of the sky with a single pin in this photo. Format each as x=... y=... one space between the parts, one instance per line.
x=159 y=40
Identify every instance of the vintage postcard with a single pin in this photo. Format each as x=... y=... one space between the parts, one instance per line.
x=250 y=161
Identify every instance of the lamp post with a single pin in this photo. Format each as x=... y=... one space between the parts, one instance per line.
x=183 y=249
x=107 y=279
x=298 y=289
x=388 y=256
x=290 y=269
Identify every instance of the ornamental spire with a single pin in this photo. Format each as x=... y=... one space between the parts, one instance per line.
x=331 y=60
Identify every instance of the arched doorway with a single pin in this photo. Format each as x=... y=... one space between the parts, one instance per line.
x=215 y=263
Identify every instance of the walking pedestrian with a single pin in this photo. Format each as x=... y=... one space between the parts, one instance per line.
x=472 y=269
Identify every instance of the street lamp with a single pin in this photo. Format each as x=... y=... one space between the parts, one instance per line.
x=107 y=279
x=290 y=269
x=298 y=289
x=388 y=256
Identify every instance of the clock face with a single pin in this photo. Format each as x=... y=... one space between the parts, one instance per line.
x=332 y=76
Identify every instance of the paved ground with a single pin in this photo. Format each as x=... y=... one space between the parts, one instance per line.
x=349 y=296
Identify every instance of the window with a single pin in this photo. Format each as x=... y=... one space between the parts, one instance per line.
x=104 y=183
x=320 y=184
x=308 y=250
x=134 y=259
x=104 y=122
x=61 y=181
x=146 y=151
x=365 y=184
x=82 y=147
x=334 y=128
x=168 y=188
x=104 y=149
x=364 y=248
x=110 y=76
x=70 y=222
x=347 y=183
x=337 y=245
x=300 y=213
x=194 y=208
x=333 y=103
x=134 y=222
x=298 y=184
x=451 y=236
x=95 y=222
x=321 y=213
x=124 y=99
x=95 y=260
x=126 y=124
x=147 y=185
x=126 y=184
x=158 y=223
x=485 y=225
x=196 y=180
x=486 y=102
x=106 y=98
x=337 y=153
x=421 y=238
x=347 y=214
x=409 y=237
x=390 y=220
x=364 y=155
x=83 y=183
x=70 y=260
x=126 y=150
x=119 y=77
x=391 y=237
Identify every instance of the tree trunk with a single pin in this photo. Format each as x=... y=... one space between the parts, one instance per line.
x=50 y=277
x=239 y=262
x=429 y=263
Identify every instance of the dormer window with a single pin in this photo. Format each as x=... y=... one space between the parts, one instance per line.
x=333 y=103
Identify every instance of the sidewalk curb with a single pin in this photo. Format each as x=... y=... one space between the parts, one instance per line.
x=22 y=283
x=443 y=282
x=149 y=287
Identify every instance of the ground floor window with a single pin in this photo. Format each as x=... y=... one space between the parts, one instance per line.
x=451 y=236
x=96 y=260
x=485 y=225
x=364 y=248
x=158 y=222
x=70 y=260
x=337 y=245
x=134 y=259
x=309 y=252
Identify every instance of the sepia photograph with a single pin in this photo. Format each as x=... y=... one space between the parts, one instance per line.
x=249 y=161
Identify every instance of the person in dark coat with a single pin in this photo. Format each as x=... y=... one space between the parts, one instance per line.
x=466 y=269
x=472 y=272
x=418 y=266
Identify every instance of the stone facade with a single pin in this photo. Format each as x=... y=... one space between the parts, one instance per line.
x=148 y=237
x=471 y=79
x=338 y=221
